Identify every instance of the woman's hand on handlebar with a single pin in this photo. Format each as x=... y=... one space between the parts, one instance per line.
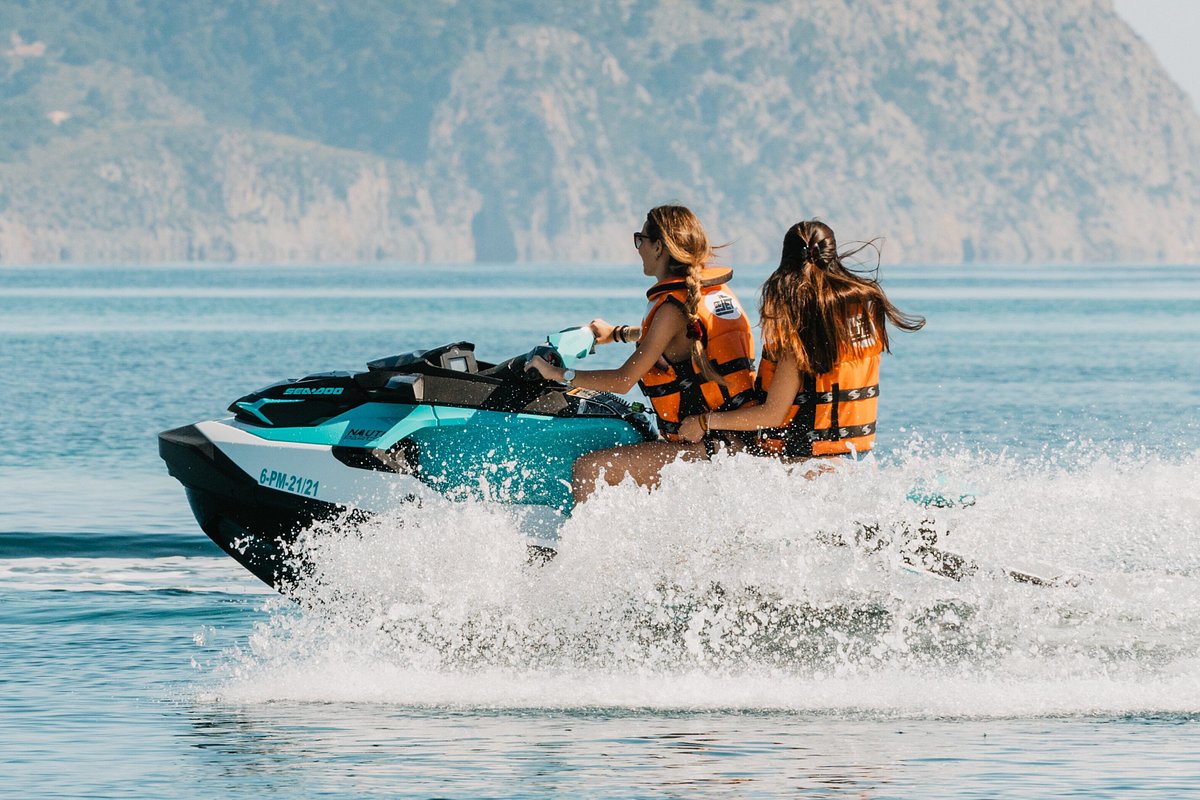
x=544 y=368
x=602 y=331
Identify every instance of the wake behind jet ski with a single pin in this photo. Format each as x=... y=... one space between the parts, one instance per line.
x=410 y=427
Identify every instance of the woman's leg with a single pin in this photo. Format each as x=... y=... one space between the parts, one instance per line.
x=643 y=461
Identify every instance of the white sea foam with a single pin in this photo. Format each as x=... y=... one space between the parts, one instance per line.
x=721 y=590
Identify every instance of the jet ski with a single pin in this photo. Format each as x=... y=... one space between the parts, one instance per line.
x=413 y=427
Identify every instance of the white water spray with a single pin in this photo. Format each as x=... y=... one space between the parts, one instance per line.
x=723 y=589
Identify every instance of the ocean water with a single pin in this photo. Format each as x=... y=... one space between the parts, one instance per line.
x=697 y=641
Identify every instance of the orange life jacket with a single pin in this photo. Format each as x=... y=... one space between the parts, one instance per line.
x=835 y=412
x=681 y=390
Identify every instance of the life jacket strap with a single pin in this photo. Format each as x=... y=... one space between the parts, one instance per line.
x=798 y=442
x=668 y=428
x=735 y=365
x=836 y=395
x=686 y=377
x=833 y=434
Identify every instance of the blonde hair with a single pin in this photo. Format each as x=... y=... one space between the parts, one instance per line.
x=687 y=244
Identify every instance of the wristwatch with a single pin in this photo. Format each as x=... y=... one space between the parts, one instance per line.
x=568 y=376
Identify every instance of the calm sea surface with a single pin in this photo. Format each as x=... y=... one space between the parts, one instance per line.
x=695 y=642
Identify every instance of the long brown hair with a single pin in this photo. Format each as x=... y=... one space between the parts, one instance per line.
x=817 y=310
x=687 y=244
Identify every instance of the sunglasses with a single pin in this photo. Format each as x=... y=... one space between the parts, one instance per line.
x=638 y=238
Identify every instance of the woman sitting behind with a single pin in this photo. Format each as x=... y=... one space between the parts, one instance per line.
x=695 y=351
x=823 y=330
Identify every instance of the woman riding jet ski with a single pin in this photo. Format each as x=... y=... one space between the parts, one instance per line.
x=695 y=352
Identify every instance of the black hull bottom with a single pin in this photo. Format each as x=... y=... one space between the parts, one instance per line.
x=257 y=537
x=255 y=525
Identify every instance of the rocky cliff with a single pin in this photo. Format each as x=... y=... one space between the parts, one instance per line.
x=980 y=131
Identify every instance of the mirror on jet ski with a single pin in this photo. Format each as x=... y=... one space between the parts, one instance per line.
x=562 y=349
x=573 y=344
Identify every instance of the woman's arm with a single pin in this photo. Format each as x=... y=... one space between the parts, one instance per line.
x=784 y=388
x=668 y=323
x=608 y=334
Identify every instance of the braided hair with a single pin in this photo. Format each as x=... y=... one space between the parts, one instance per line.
x=687 y=244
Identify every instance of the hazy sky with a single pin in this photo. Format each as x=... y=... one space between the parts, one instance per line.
x=1172 y=28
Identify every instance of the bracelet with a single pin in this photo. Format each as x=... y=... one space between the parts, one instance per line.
x=619 y=333
x=704 y=423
